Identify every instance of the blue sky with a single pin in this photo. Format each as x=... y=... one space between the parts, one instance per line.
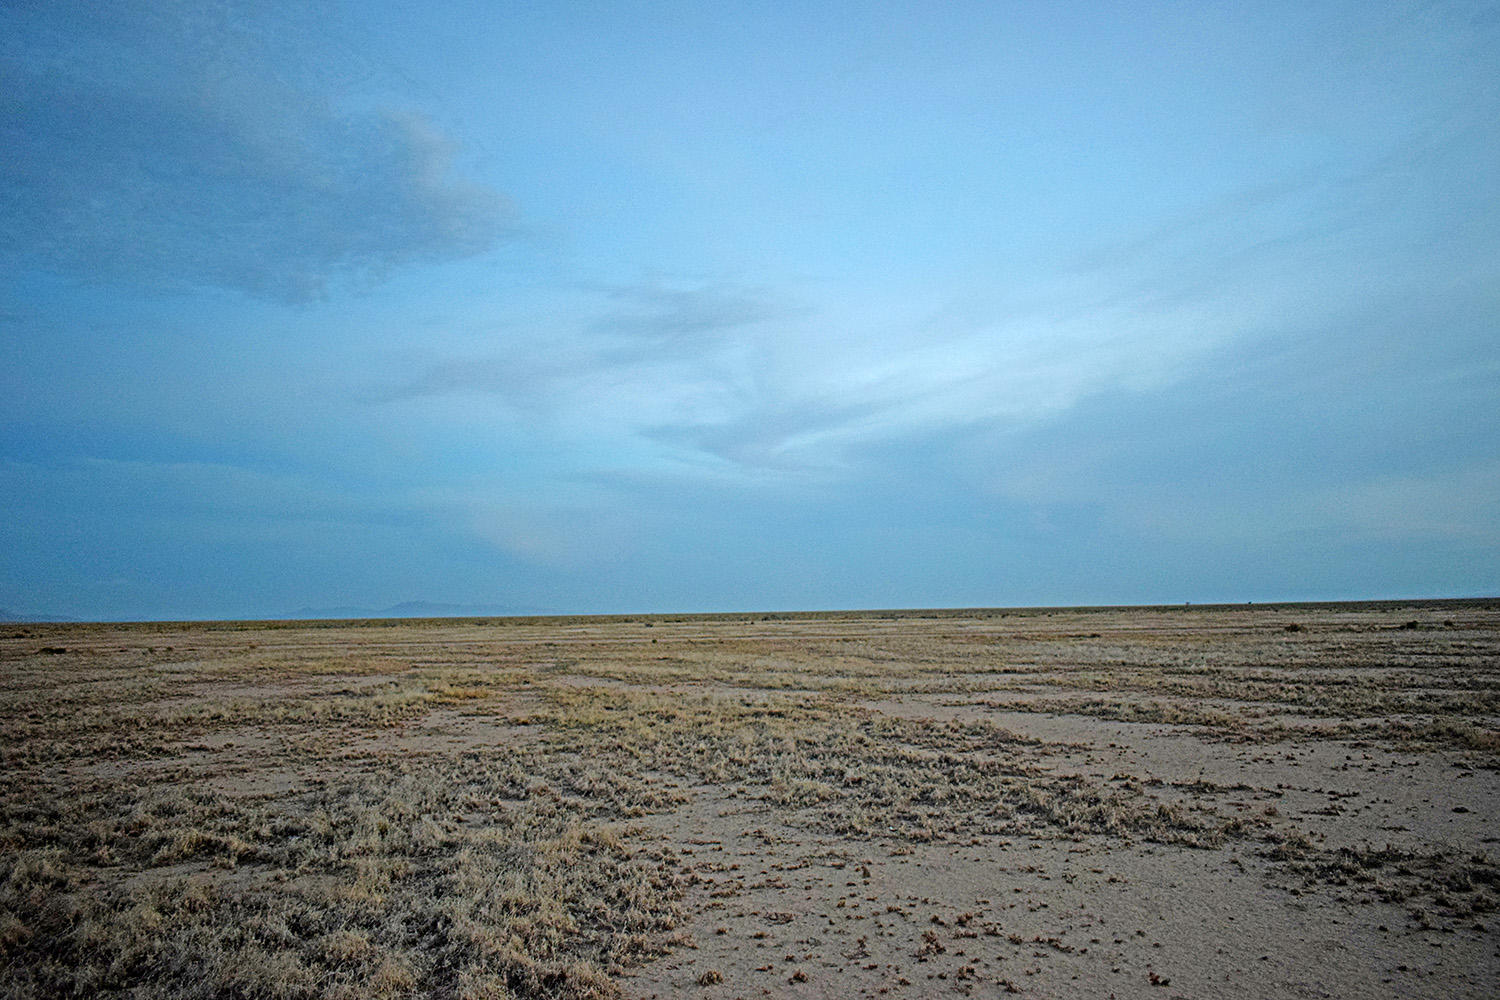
x=697 y=306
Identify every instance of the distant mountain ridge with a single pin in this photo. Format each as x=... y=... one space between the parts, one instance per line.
x=420 y=609
x=11 y=616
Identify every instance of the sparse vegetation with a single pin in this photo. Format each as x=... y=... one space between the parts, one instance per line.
x=493 y=809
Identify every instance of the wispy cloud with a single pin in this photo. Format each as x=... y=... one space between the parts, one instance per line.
x=659 y=312
x=209 y=166
x=730 y=379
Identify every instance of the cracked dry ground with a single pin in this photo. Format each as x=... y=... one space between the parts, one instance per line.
x=1243 y=802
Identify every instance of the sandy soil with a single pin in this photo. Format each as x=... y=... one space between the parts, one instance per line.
x=1278 y=801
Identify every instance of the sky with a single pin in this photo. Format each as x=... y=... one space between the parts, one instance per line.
x=698 y=306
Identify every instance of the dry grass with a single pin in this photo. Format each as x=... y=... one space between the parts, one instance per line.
x=458 y=809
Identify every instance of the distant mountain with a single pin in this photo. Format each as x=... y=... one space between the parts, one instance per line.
x=420 y=609
x=10 y=616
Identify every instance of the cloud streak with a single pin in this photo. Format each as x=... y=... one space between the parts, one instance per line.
x=729 y=381
x=664 y=314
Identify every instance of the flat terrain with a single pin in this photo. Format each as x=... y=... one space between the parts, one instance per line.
x=1266 y=801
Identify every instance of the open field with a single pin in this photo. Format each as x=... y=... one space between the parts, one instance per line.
x=1267 y=801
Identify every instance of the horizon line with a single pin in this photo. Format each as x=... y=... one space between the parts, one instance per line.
x=771 y=614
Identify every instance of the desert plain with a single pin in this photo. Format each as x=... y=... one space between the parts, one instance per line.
x=1218 y=801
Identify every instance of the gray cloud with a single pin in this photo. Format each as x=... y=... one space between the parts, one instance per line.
x=663 y=313
x=644 y=333
x=212 y=163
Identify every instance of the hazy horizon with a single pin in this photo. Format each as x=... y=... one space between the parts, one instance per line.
x=429 y=611
x=668 y=307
